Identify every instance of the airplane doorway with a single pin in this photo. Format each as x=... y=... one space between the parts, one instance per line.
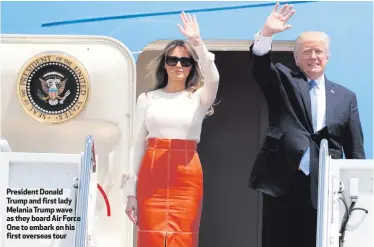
x=229 y=143
x=230 y=140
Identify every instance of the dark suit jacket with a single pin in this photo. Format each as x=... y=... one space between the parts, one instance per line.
x=290 y=129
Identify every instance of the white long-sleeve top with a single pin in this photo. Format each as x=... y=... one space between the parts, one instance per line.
x=172 y=115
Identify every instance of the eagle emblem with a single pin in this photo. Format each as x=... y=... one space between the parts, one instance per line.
x=53 y=85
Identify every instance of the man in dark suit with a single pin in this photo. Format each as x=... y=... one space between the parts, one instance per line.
x=304 y=108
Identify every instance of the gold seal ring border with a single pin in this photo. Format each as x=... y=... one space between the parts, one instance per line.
x=74 y=61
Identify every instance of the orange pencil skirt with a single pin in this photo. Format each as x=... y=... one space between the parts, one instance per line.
x=169 y=194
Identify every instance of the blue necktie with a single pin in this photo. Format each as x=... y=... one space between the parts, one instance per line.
x=305 y=161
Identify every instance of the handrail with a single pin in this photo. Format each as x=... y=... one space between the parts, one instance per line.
x=88 y=166
x=323 y=187
x=4 y=145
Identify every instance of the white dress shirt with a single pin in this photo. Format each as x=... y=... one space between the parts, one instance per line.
x=262 y=46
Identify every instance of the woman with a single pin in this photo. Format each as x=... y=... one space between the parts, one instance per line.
x=167 y=171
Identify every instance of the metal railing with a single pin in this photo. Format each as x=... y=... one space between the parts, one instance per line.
x=85 y=191
x=4 y=145
x=323 y=193
x=88 y=166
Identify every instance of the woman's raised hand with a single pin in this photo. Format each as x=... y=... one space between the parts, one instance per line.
x=190 y=28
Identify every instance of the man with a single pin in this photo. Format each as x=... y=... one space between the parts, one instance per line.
x=304 y=108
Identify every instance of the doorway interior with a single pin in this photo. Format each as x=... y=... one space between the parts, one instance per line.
x=230 y=140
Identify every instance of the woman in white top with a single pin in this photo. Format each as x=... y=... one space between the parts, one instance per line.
x=167 y=179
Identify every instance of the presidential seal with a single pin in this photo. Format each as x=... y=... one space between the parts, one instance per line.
x=53 y=88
